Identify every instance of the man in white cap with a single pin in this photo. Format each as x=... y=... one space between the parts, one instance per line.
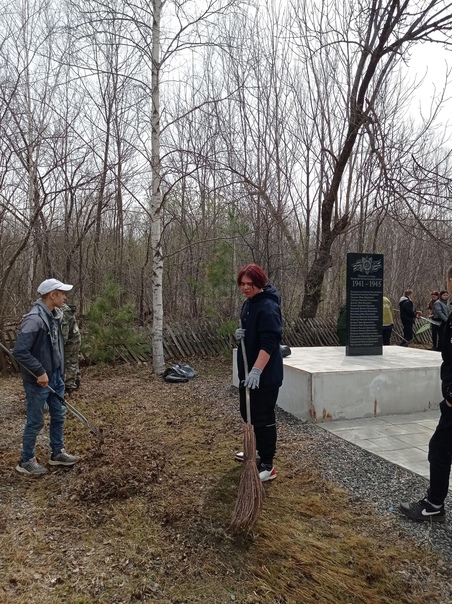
x=40 y=349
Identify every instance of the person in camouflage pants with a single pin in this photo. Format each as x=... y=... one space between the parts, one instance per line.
x=72 y=341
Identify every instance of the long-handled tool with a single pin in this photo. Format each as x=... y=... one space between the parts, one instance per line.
x=96 y=431
x=424 y=327
x=251 y=492
x=427 y=325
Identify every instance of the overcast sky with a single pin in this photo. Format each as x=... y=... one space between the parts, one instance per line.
x=432 y=61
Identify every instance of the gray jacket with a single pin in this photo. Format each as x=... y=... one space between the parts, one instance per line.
x=39 y=345
x=440 y=311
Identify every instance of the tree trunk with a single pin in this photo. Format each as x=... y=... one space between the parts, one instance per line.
x=382 y=45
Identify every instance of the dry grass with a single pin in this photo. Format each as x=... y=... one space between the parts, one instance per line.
x=146 y=519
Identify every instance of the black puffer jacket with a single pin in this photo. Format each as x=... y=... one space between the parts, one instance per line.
x=261 y=318
x=407 y=312
x=446 y=353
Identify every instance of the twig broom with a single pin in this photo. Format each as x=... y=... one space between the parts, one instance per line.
x=251 y=492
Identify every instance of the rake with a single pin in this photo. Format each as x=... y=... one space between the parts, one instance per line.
x=426 y=326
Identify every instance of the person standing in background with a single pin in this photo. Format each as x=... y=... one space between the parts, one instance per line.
x=72 y=341
x=388 y=321
x=440 y=314
x=341 y=325
x=433 y=298
x=434 y=327
x=407 y=316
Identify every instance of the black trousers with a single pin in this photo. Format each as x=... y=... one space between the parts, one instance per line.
x=407 y=333
x=387 y=331
x=436 y=335
x=262 y=404
x=440 y=456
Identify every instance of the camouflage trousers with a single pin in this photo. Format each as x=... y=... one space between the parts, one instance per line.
x=72 y=370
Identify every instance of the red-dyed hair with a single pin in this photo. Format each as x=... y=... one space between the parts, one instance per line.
x=255 y=273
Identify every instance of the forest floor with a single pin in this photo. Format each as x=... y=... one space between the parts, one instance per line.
x=145 y=517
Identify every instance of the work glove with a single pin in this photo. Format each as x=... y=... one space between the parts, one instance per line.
x=252 y=381
x=239 y=334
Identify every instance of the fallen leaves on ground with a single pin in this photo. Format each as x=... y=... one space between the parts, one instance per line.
x=144 y=517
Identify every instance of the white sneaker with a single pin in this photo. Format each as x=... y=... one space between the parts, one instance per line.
x=266 y=472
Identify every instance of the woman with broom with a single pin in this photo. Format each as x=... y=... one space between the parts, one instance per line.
x=261 y=329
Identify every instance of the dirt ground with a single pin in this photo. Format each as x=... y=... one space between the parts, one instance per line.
x=145 y=516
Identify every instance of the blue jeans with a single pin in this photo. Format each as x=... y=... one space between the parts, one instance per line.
x=37 y=396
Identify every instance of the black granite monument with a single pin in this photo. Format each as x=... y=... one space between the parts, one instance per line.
x=364 y=304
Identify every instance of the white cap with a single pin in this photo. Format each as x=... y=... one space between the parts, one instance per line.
x=50 y=285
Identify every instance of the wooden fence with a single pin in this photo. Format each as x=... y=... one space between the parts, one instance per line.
x=182 y=341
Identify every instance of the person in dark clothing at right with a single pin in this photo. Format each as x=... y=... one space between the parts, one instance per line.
x=407 y=316
x=431 y=507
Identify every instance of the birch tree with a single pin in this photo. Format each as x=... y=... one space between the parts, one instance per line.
x=161 y=32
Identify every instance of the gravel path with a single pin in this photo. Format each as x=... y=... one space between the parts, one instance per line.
x=368 y=477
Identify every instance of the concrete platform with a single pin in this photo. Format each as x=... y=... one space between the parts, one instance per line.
x=323 y=384
x=401 y=439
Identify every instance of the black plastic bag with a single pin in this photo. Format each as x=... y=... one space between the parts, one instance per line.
x=285 y=350
x=179 y=373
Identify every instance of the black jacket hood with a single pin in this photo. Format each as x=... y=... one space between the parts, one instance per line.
x=269 y=291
